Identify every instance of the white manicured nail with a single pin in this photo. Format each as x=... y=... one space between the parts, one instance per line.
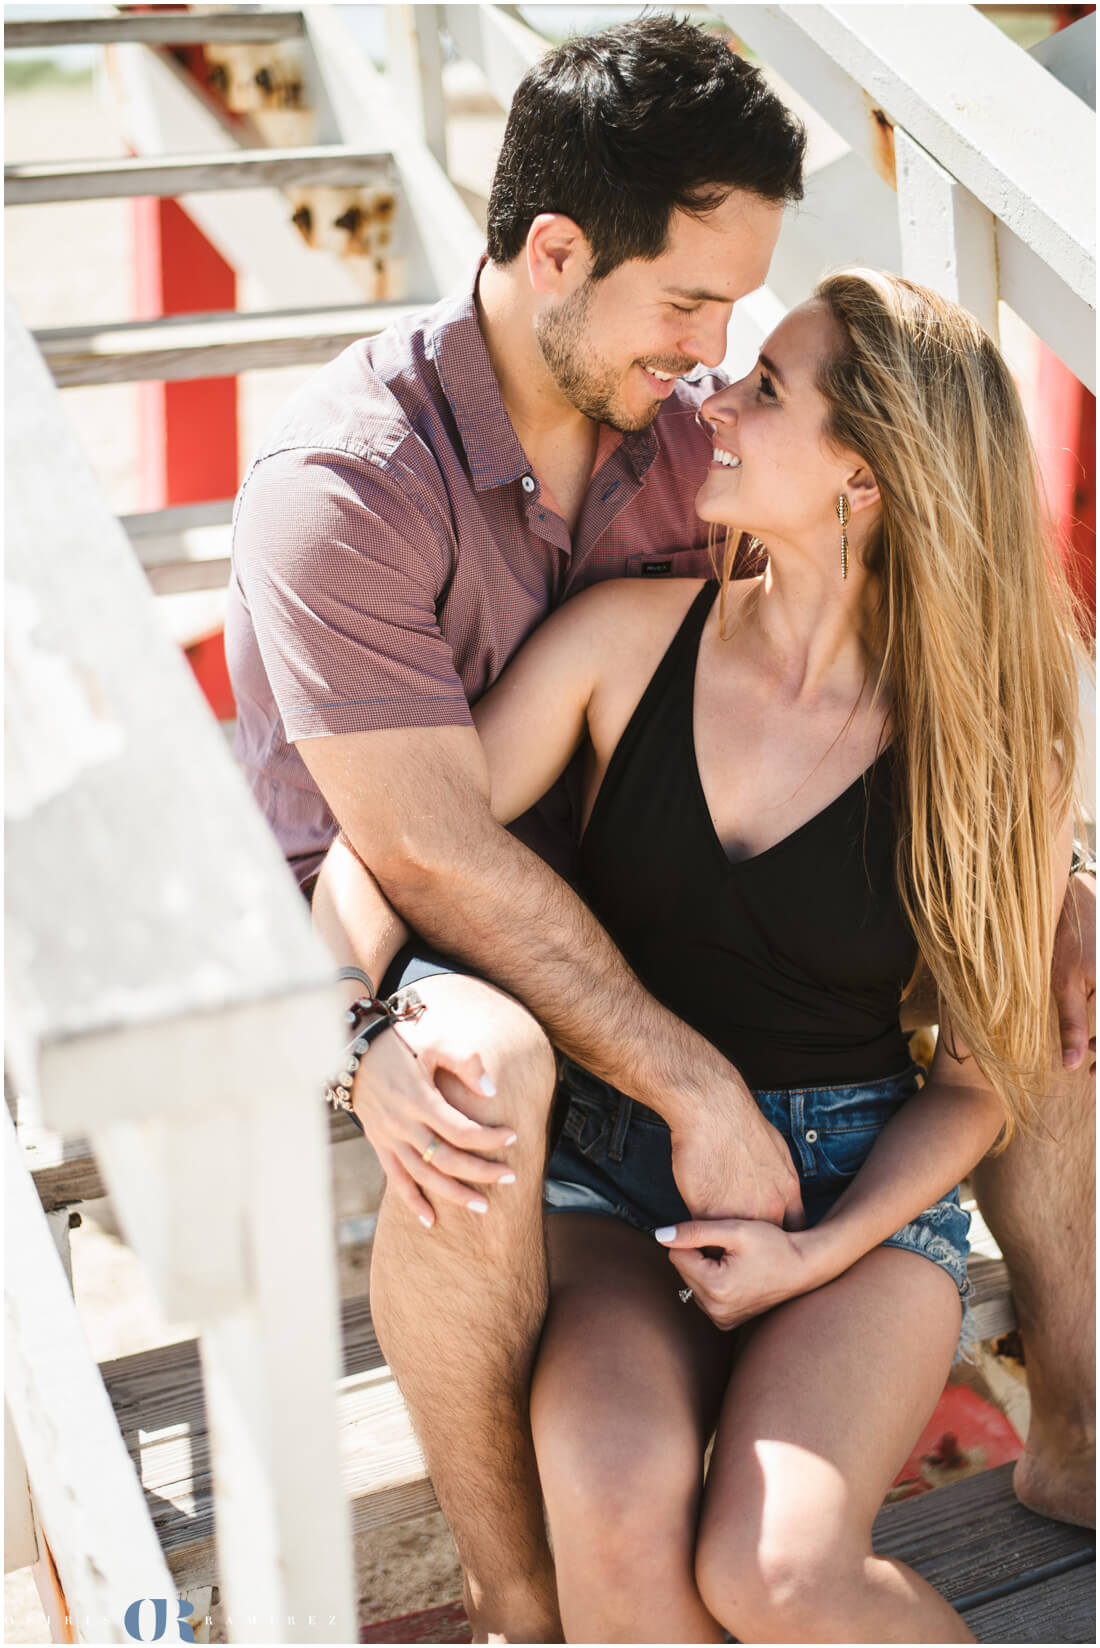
x=488 y=1087
x=511 y=1139
x=425 y=1221
x=667 y=1233
x=507 y=1178
x=478 y=1206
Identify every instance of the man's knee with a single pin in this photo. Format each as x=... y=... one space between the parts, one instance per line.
x=514 y=1049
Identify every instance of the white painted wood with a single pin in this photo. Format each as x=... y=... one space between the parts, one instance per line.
x=987 y=112
x=178 y=518
x=159 y=956
x=948 y=238
x=848 y=215
x=270 y=1373
x=162 y=112
x=1064 y=321
x=57 y=1223
x=414 y=72
x=222 y=343
x=201 y=1598
x=177 y=175
x=167 y=29
x=502 y=47
x=444 y=240
x=20 y=1542
x=85 y=1490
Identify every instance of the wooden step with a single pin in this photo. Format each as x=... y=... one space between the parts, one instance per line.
x=152 y=29
x=169 y=176
x=183 y=548
x=1015 y=1576
x=217 y=344
x=65 y=1171
x=158 y=1400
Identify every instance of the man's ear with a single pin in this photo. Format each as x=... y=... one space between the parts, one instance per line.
x=558 y=255
x=861 y=489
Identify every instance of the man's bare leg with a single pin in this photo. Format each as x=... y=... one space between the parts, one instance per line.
x=1038 y=1200
x=459 y=1310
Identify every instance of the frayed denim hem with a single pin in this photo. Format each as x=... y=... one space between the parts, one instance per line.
x=941 y=1234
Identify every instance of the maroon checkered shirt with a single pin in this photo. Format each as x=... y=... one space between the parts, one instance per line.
x=393 y=547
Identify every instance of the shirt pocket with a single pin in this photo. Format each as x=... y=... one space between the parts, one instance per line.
x=672 y=563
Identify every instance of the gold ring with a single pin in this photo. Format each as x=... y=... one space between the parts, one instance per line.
x=429 y=1150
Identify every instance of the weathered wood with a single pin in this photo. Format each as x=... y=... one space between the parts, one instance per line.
x=159 y=955
x=65 y=1171
x=414 y=69
x=153 y=29
x=88 y=1498
x=218 y=344
x=990 y=1297
x=986 y=111
x=169 y=176
x=974 y=1535
x=1061 y=1608
x=159 y=1402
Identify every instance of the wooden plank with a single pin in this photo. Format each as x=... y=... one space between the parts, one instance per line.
x=160 y=1406
x=197 y=558
x=165 y=29
x=948 y=238
x=20 y=1540
x=1065 y=321
x=502 y=46
x=65 y=1171
x=1060 y=1608
x=975 y=1535
x=87 y=1495
x=990 y=1297
x=208 y=345
x=169 y=176
x=160 y=957
x=414 y=69
x=1019 y=141
x=155 y=523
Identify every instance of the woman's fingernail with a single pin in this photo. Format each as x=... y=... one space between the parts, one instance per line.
x=478 y=1206
x=511 y=1139
x=425 y=1221
x=667 y=1233
x=488 y=1087
x=507 y=1178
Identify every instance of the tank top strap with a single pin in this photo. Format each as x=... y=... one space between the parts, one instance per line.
x=658 y=717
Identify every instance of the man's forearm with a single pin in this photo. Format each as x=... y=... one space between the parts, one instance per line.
x=501 y=908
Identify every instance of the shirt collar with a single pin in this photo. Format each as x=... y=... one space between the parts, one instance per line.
x=492 y=447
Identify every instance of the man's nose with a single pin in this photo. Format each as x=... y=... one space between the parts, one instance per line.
x=707 y=337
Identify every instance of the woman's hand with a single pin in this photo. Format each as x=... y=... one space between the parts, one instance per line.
x=755 y=1266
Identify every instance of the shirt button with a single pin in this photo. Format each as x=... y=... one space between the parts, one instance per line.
x=528 y=483
x=811 y=1135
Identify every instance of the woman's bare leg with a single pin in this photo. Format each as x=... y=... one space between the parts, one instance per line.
x=822 y=1409
x=626 y=1390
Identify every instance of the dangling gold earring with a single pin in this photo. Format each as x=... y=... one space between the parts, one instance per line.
x=843 y=510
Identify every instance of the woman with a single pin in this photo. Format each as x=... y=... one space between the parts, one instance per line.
x=799 y=786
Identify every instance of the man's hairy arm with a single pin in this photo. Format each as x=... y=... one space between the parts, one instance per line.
x=414 y=803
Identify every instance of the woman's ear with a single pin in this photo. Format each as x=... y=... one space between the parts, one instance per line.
x=861 y=489
x=558 y=255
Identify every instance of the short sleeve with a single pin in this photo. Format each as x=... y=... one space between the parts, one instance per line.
x=341 y=564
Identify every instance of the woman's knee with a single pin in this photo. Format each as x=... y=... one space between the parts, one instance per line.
x=775 y=1587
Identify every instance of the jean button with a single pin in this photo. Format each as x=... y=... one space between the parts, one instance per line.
x=811 y=1135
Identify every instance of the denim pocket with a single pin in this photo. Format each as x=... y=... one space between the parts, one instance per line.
x=597 y=1116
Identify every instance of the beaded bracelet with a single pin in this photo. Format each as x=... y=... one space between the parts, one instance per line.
x=368 y=1017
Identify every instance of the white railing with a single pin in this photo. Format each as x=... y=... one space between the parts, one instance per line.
x=967 y=164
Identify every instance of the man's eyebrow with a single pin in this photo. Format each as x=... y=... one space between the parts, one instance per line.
x=773 y=369
x=696 y=294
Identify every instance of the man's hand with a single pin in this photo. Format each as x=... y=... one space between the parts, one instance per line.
x=1073 y=975
x=754 y=1266
x=398 y=1101
x=730 y=1162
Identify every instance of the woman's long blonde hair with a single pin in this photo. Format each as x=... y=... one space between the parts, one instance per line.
x=979 y=648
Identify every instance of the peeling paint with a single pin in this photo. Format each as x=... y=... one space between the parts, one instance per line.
x=882 y=142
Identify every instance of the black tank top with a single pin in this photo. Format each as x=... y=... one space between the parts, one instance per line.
x=792 y=962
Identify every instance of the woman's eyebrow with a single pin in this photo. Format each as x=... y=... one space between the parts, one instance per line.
x=771 y=367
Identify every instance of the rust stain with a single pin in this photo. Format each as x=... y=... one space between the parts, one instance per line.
x=882 y=143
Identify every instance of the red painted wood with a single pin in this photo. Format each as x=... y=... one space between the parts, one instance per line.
x=446 y=1624
x=966 y=1434
x=1066 y=443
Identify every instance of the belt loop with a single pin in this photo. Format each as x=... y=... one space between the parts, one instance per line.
x=622 y=1122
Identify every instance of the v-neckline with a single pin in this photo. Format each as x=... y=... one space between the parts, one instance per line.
x=701 y=794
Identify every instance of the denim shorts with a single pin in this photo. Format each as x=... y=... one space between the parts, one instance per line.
x=614 y=1157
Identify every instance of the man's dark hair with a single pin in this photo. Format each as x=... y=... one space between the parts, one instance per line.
x=618 y=129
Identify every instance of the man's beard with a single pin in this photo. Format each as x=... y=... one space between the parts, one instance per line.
x=587 y=383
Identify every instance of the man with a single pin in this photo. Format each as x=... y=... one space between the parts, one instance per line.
x=428 y=498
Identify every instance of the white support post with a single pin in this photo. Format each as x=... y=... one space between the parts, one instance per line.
x=948 y=238
x=414 y=69
x=20 y=1541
